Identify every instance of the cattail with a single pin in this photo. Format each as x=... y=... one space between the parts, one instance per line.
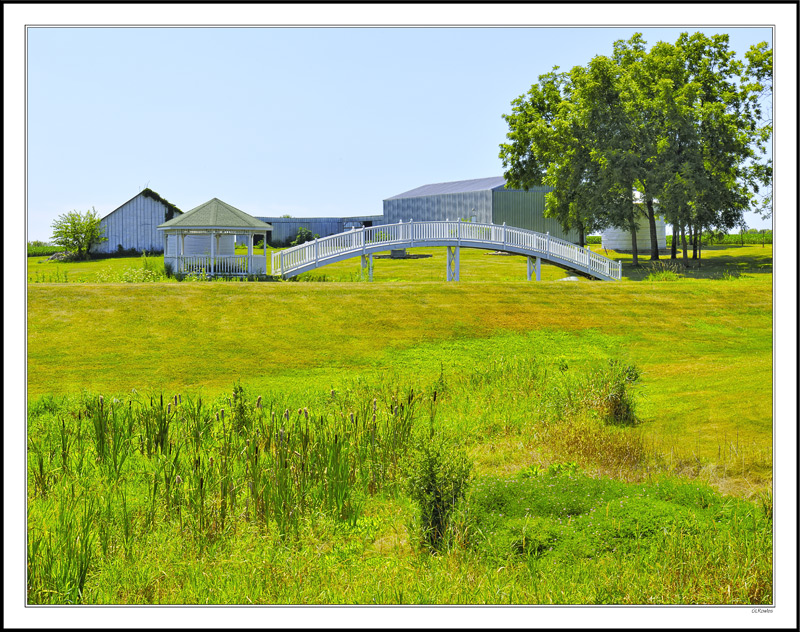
x=258 y=402
x=175 y=400
x=286 y=415
x=180 y=401
x=333 y=393
x=101 y=402
x=305 y=412
x=222 y=413
x=434 y=397
x=211 y=461
x=351 y=417
x=169 y=408
x=299 y=411
x=374 y=405
x=178 y=479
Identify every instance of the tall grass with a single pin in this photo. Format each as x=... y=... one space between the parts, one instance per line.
x=111 y=479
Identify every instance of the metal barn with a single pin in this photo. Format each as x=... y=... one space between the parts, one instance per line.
x=485 y=200
x=284 y=229
x=134 y=225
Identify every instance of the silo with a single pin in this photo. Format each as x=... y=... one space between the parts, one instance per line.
x=619 y=239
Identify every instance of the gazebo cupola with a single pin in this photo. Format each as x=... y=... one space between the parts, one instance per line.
x=203 y=239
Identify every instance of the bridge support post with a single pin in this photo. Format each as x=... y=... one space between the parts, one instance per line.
x=535 y=268
x=453 y=263
x=366 y=265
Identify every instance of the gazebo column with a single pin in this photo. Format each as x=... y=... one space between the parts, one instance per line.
x=213 y=253
x=265 y=252
x=181 y=237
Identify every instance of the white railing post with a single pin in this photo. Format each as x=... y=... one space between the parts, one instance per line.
x=316 y=251
x=504 y=235
x=548 y=242
x=411 y=232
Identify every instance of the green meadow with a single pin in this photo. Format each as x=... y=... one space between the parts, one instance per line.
x=329 y=440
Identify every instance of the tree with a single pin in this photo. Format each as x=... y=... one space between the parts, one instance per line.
x=549 y=147
x=681 y=124
x=76 y=232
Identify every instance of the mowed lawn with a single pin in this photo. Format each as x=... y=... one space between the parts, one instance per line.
x=704 y=345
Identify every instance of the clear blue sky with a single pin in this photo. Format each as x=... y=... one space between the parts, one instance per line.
x=305 y=121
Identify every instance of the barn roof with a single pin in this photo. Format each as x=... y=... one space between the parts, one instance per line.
x=215 y=214
x=149 y=193
x=461 y=186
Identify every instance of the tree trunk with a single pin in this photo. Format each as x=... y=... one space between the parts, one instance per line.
x=683 y=243
x=581 y=236
x=632 y=224
x=674 y=248
x=651 y=217
x=694 y=243
x=699 y=246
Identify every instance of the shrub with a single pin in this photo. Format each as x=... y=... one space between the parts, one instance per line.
x=664 y=271
x=77 y=232
x=303 y=235
x=440 y=476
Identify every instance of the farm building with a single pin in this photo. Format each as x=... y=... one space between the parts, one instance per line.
x=620 y=239
x=134 y=225
x=284 y=229
x=485 y=200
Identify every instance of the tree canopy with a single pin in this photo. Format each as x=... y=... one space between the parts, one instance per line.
x=76 y=232
x=682 y=128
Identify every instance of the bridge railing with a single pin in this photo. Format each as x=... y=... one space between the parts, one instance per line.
x=407 y=234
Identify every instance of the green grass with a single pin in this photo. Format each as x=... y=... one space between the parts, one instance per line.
x=521 y=372
x=429 y=264
x=151 y=500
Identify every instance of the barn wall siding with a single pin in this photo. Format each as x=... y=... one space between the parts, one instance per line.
x=439 y=207
x=525 y=209
x=284 y=229
x=133 y=225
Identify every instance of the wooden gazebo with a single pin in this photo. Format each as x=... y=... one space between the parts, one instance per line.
x=203 y=239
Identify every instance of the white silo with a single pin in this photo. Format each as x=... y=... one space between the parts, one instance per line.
x=620 y=239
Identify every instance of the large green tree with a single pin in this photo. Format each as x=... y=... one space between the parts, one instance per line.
x=681 y=124
x=76 y=232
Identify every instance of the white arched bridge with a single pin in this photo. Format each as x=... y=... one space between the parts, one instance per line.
x=452 y=234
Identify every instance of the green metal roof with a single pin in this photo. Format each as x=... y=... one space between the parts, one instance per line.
x=215 y=214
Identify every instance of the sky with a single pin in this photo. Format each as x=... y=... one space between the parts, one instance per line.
x=301 y=121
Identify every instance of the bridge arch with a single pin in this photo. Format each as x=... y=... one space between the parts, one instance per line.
x=364 y=242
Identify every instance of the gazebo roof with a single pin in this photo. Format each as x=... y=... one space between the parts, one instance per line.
x=215 y=214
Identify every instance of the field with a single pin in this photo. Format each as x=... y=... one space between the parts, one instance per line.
x=598 y=432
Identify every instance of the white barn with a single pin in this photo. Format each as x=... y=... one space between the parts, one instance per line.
x=134 y=225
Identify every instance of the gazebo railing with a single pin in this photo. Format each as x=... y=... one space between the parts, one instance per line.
x=219 y=265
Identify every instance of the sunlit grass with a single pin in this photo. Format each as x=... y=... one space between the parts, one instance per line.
x=509 y=360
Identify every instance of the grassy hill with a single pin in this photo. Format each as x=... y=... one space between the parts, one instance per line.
x=623 y=400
